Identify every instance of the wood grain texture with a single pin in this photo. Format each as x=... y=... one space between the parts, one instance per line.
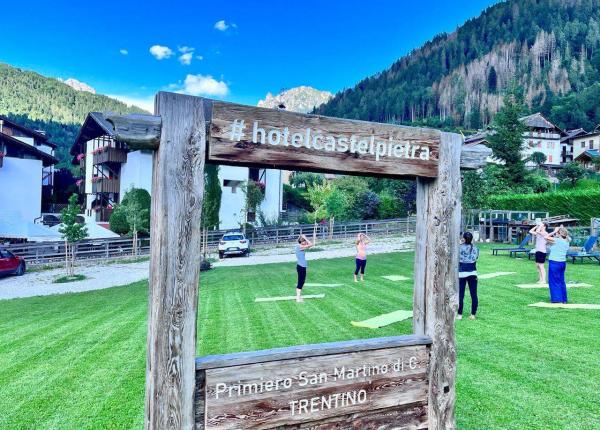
x=138 y=131
x=474 y=157
x=177 y=188
x=436 y=277
x=311 y=350
x=404 y=384
x=245 y=152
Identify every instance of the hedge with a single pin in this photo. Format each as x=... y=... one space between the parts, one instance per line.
x=582 y=204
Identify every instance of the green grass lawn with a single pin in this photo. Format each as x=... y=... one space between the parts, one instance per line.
x=77 y=361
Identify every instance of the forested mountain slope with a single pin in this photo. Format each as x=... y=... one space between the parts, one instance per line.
x=551 y=48
x=47 y=104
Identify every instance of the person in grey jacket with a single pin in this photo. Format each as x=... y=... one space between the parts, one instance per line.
x=467 y=274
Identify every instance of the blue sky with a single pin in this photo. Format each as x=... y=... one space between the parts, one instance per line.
x=234 y=50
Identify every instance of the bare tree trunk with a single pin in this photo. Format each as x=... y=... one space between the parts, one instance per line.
x=67 y=257
x=315 y=231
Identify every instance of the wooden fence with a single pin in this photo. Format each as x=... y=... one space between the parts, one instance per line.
x=54 y=252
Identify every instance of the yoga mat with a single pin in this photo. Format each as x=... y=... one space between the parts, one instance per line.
x=383 y=320
x=278 y=299
x=494 y=275
x=396 y=278
x=565 y=305
x=572 y=285
x=311 y=284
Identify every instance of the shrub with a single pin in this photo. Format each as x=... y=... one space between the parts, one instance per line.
x=118 y=220
x=580 y=203
x=390 y=206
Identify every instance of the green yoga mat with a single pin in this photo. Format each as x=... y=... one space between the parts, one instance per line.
x=565 y=305
x=383 y=320
x=312 y=284
x=396 y=278
x=279 y=299
x=494 y=275
x=571 y=285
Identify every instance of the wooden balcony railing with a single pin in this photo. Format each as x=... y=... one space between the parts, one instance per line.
x=106 y=185
x=111 y=155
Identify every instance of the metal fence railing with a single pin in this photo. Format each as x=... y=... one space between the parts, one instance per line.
x=54 y=252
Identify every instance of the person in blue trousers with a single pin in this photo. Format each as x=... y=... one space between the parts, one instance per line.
x=557 y=264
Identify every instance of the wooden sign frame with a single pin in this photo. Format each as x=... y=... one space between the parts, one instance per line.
x=177 y=385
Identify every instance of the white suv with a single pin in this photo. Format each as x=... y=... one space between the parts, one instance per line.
x=233 y=243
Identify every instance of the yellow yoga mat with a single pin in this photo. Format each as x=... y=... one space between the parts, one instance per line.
x=571 y=285
x=494 y=275
x=396 y=278
x=565 y=305
x=383 y=320
x=279 y=299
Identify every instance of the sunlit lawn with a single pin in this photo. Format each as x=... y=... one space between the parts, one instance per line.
x=77 y=361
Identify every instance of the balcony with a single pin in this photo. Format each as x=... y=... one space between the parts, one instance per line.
x=108 y=154
x=105 y=185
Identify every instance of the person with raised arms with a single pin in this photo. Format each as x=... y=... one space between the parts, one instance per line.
x=467 y=273
x=301 y=265
x=557 y=264
x=540 y=232
x=362 y=240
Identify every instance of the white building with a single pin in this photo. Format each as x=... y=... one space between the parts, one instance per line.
x=26 y=170
x=586 y=148
x=541 y=136
x=109 y=169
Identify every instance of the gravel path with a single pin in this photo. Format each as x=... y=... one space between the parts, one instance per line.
x=112 y=275
x=98 y=277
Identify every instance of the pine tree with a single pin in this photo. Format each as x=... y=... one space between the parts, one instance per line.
x=507 y=139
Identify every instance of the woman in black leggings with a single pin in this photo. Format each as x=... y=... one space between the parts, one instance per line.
x=467 y=274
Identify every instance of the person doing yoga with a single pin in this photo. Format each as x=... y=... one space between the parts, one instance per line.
x=362 y=240
x=301 y=264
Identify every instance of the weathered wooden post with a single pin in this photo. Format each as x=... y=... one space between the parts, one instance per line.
x=436 y=277
x=172 y=374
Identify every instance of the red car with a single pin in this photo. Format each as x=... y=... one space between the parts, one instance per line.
x=10 y=264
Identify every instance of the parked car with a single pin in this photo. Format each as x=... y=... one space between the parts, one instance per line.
x=10 y=264
x=233 y=243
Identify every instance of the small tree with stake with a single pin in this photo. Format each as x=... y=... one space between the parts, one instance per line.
x=137 y=218
x=72 y=232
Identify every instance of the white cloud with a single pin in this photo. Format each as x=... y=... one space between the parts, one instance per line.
x=123 y=51
x=187 y=55
x=222 y=25
x=199 y=57
x=186 y=59
x=146 y=103
x=160 y=52
x=204 y=85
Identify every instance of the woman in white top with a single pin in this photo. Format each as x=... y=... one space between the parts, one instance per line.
x=540 y=232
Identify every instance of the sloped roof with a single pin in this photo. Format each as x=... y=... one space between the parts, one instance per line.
x=537 y=120
x=479 y=137
x=9 y=141
x=95 y=125
x=570 y=134
x=588 y=154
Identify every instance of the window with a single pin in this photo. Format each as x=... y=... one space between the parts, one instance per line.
x=591 y=144
x=583 y=144
x=550 y=158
